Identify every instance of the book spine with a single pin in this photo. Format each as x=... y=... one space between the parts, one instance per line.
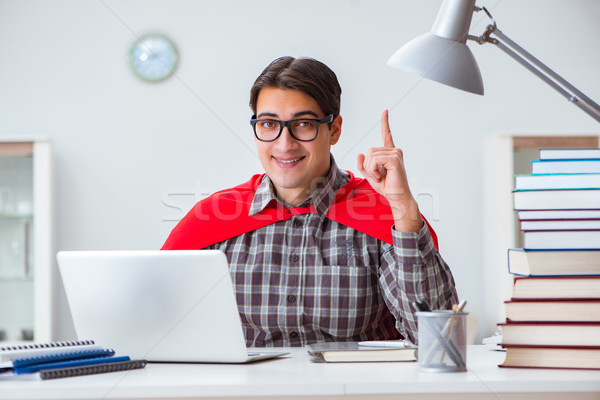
x=92 y=369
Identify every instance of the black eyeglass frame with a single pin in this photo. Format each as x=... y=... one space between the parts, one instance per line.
x=283 y=124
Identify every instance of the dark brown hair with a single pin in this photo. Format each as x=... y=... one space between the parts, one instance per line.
x=306 y=75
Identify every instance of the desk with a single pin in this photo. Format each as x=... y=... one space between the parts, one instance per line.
x=296 y=377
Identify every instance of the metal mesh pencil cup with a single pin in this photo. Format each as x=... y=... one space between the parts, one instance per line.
x=442 y=341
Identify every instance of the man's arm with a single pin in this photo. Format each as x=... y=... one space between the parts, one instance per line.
x=412 y=269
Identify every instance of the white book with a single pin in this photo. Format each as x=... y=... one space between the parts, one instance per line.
x=556 y=199
x=569 y=154
x=557 y=181
x=561 y=239
x=526 y=215
x=560 y=225
x=565 y=166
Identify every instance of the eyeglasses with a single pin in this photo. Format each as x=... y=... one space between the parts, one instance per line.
x=303 y=129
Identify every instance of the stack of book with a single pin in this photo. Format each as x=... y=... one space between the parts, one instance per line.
x=61 y=360
x=553 y=318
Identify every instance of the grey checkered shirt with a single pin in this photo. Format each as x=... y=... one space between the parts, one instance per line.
x=311 y=279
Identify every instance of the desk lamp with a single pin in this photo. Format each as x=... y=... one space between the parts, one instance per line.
x=443 y=56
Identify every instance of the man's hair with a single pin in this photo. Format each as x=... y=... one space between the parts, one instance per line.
x=306 y=75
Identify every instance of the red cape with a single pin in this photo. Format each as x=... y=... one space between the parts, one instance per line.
x=224 y=215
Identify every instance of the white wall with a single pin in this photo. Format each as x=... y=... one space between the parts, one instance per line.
x=123 y=145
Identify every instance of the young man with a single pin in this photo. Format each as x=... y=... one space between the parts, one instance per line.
x=315 y=253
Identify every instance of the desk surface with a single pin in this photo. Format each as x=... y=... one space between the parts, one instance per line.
x=295 y=376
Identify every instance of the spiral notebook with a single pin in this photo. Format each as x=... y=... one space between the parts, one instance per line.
x=52 y=360
x=11 y=352
x=176 y=305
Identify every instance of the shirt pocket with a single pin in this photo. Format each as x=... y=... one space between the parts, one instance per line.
x=343 y=298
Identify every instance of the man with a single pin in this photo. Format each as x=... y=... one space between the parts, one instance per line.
x=315 y=253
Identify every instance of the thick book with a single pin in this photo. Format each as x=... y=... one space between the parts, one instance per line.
x=529 y=215
x=569 y=153
x=557 y=181
x=553 y=262
x=569 y=199
x=556 y=287
x=560 y=224
x=551 y=357
x=98 y=368
x=577 y=334
x=565 y=166
x=10 y=352
x=552 y=310
x=581 y=239
x=354 y=352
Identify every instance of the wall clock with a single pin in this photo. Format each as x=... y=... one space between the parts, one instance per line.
x=153 y=57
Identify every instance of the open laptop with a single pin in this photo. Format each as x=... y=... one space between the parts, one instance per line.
x=176 y=306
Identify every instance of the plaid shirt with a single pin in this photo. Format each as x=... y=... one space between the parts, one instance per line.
x=311 y=279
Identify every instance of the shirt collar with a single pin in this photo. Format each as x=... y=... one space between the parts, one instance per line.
x=321 y=198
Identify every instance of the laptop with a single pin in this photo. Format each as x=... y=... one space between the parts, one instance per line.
x=164 y=306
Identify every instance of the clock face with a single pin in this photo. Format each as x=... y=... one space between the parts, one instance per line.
x=153 y=58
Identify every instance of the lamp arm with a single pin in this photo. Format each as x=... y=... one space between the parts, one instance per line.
x=541 y=70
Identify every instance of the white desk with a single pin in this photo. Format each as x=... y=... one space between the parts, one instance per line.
x=296 y=377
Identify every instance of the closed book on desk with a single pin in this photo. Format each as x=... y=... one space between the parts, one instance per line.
x=569 y=153
x=581 y=239
x=353 y=352
x=556 y=287
x=560 y=224
x=570 y=199
x=532 y=262
x=577 y=334
x=532 y=215
x=574 y=310
x=557 y=181
x=552 y=357
x=565 y=166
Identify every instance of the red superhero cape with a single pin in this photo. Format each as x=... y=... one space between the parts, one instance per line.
x=224 y=215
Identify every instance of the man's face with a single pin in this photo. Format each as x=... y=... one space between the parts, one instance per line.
x=294 y=166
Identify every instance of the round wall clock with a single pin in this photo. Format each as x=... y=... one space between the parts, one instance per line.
x=153 y=57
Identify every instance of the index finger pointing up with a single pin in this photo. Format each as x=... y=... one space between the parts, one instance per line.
x=386 y=134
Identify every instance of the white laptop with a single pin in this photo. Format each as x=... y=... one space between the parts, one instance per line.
x=176 y=306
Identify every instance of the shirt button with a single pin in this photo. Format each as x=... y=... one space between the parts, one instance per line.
x=291 y=298
x=421 y=246
x=298 y=222
x=295 y=258
x=294 y=334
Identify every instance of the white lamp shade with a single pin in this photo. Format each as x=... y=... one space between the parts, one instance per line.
x=442 y=60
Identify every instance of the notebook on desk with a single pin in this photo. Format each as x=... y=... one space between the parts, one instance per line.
x=176 y=306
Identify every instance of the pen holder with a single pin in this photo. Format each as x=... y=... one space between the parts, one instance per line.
x=442 y=341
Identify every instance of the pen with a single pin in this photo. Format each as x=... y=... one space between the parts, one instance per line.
x=450 y=326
